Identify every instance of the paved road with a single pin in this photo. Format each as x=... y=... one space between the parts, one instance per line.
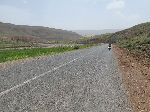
x=86 y=80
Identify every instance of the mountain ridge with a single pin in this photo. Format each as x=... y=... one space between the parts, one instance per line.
x=37 y=32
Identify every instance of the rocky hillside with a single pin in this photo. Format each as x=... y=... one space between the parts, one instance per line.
x=136 y=39
x=133 y=56
x=137 y=30
x=24 y=32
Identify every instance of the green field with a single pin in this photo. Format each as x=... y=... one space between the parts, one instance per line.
x=15 y=54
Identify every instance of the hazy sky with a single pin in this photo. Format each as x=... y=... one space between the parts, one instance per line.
x=76 y=14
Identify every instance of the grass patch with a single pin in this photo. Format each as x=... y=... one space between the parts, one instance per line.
x=15 y=54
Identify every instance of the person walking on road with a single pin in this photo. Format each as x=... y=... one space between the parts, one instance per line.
x=109 y=46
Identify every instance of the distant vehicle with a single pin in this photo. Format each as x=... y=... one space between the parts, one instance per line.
x=109 y=46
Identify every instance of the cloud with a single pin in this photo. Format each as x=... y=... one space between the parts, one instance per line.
x=128 y=17
x=118 y=9
x=25 y=1
x=116 y=5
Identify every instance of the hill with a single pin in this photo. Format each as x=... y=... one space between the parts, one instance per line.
x=133 y=53
x=137 y=30
x=95 y=32
x=38 y=33
x=136 y=39
x=103 y=38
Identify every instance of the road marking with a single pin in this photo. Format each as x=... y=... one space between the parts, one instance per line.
x=41 y=75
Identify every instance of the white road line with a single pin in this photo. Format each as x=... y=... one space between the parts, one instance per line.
x=30 y=80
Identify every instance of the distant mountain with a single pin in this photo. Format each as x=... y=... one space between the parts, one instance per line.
x=95 y=32
x=36 y=32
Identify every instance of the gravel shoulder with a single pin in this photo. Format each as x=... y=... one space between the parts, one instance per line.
x=91 y=82
x=136 y=77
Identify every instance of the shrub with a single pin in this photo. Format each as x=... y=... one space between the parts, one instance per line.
x=148 y=35
x=76 y=47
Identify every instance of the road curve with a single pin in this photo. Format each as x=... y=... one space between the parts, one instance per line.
x=86 y=80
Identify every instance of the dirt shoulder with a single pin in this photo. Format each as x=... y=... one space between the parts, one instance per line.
x=136 y=77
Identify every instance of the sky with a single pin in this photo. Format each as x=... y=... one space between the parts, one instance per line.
x=76 y=14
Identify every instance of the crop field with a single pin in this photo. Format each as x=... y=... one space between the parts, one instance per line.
x=15 y=54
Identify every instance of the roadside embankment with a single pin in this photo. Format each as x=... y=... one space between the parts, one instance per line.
x=136 y=77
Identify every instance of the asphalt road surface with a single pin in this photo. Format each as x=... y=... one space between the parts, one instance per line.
x=86 y=80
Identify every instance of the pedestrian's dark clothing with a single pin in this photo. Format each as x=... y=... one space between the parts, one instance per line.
x=109 y=45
